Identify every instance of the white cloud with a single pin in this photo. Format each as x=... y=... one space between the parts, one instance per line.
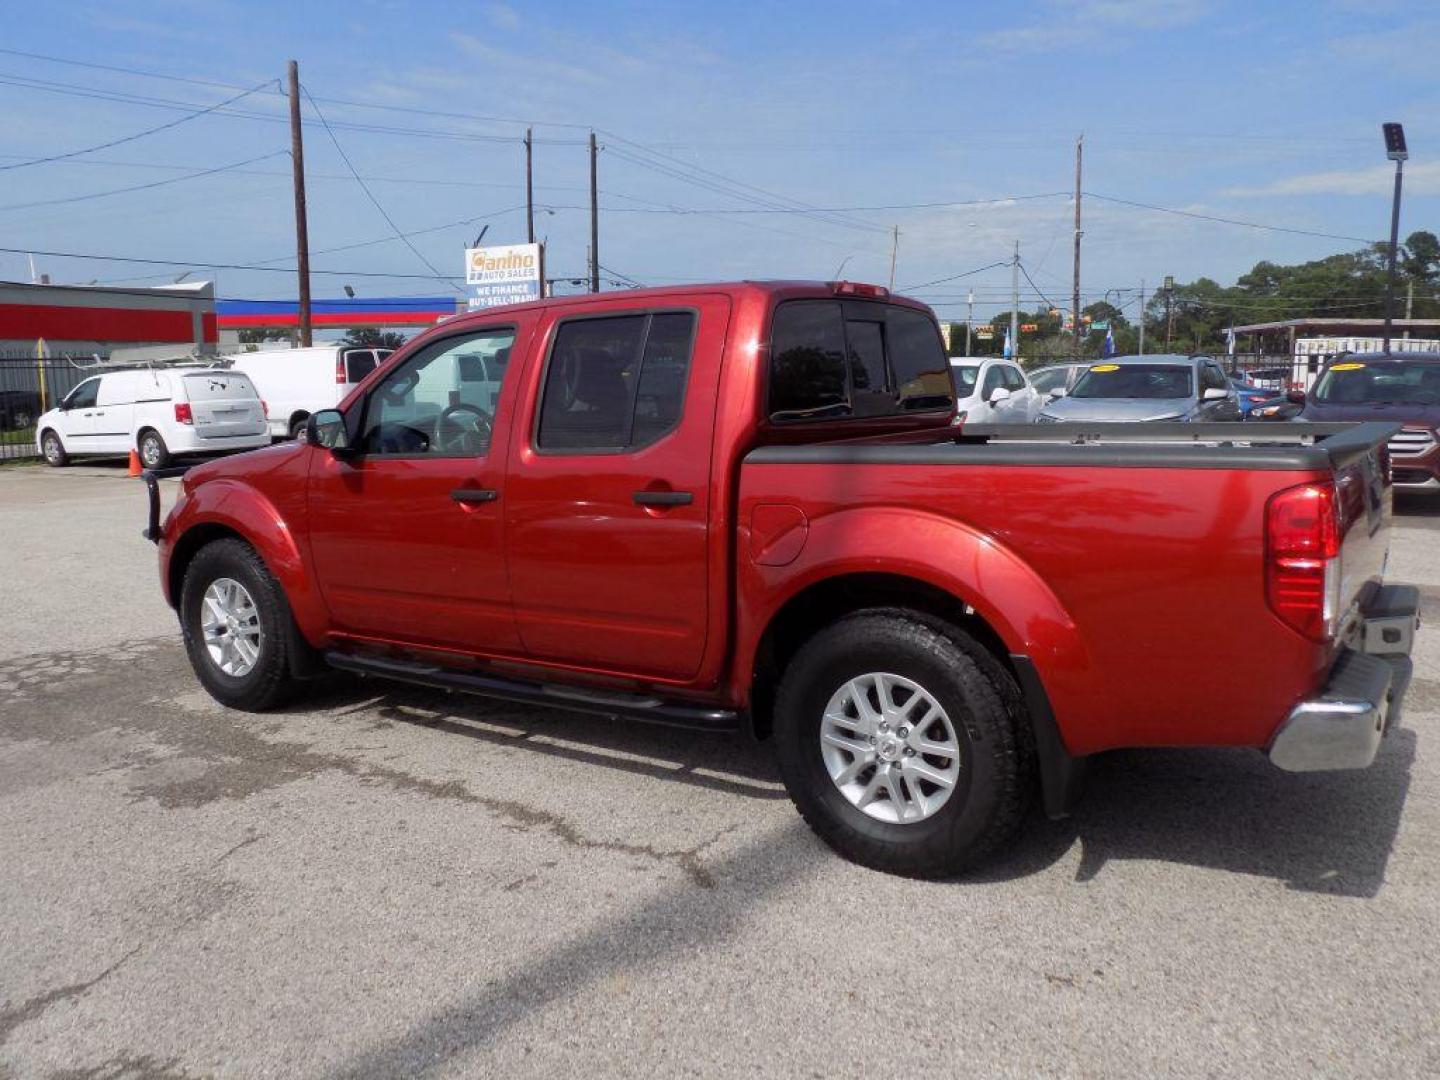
x=1421 y=178
x=503 y=16
x=1068 y=22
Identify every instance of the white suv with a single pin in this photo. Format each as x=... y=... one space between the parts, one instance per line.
x=993 y=392
x=157 y=412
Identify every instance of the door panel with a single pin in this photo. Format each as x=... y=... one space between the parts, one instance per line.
x=407 y=539
x=608 y=547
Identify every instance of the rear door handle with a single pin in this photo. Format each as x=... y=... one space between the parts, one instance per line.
x=663 y=498
x=474 y=495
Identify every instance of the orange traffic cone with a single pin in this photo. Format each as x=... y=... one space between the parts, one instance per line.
x=134 y=469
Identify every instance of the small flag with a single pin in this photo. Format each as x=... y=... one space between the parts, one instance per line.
x=1230 y=341
x=1108 y=348
x=1009 y=345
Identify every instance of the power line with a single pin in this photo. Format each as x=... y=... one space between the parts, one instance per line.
x=211 y=264
x=1037 y=289
x=956 y=277
x=139 y=135
x=370 y=194
x=142 y=187
x=1227 y=221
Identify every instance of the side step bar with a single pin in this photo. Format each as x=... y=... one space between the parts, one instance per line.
x=604 y=703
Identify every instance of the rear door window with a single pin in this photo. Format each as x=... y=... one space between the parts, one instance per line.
x=218 y=386
x=615 y=383
x=917 y=360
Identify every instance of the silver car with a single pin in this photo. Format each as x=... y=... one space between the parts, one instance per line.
x=1147 y=388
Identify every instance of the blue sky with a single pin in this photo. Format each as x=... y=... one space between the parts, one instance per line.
x=1266 y=111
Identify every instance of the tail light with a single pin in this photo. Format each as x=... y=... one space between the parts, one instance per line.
x=1302 y=559
x=183 y=415
x=339 y=371
x=264 y=408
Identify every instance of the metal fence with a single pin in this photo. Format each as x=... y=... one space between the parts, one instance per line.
x=29 y=386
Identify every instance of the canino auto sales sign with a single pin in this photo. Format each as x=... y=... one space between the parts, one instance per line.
x=503 y=275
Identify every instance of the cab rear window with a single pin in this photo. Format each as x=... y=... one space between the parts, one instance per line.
x=834 y=359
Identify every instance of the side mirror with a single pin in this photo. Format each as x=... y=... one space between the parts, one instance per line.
x=1214 y=393
x=1057 y=392
x=998 y=395
x=326 y=429
x=1296 y=396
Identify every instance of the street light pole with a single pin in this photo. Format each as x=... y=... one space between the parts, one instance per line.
x=1397 y=152
x=969 y=318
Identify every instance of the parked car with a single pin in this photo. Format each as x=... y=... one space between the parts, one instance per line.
x=743 y=506
x=1056 y=379
x=297 y=382
x=1248 y=395
x=1398 y=388
x=1147 y=388
x=18 y=409
x=993 y=392
x=157 y=412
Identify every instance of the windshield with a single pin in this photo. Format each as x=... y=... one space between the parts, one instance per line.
x=965 y=376
x=1357 y=383
x=1134 y=381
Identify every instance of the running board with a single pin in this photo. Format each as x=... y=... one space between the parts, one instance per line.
x=605 y=703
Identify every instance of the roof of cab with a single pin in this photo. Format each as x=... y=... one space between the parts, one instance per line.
x=785 y=289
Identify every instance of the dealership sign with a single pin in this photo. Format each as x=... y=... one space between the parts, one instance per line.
x=503 y=275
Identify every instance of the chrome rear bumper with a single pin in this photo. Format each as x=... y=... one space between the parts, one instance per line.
x=1341 y=727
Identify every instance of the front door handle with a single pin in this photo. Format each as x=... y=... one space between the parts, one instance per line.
x=664 y=498
x=474 y=495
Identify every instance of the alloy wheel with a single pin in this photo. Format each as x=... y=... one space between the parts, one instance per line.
x=890 y=748
x=230 y=623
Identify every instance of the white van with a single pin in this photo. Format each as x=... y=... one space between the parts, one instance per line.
x=298 y=382
x=157 y=412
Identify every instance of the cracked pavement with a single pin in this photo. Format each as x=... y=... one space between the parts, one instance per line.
x=388 y=881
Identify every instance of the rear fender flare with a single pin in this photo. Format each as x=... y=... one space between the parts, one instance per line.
x=975 y=568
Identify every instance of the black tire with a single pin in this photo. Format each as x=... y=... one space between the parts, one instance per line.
x=270 y=682
x=297 y=424
x=53 y=450
x=996 y=748
x=154 y=454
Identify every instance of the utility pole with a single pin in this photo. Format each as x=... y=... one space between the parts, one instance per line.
x=1015 y=304
x=1142 y=316
x=894 y=250
x=302 y=231
x=594 y=220
x=1396 y=151
x=529 y=191
x=969 y=318
x=1169 y=309
x=1409 y=306
x=1075 y=295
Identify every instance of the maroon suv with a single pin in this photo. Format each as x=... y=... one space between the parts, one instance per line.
x=1403 y=388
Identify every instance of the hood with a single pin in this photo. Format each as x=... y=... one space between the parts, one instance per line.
x=1410 y=414
x=1117 y=410
x=245 y=465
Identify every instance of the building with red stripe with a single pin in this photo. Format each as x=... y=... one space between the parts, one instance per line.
x=85 y=319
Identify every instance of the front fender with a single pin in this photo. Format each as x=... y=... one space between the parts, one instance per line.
x=234 y=506
x=970 y=565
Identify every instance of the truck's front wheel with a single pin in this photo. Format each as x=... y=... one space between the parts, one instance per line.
x=238 y=627
x=903 y=744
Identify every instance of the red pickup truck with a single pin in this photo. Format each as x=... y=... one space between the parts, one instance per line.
x=744 y=506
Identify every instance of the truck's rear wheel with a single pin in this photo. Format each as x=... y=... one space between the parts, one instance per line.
x=902 y=744
x=237 y=626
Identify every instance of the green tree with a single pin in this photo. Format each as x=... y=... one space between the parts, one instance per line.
x=367 y=337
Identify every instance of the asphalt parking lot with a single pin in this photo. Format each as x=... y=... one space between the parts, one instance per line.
x=387 y=881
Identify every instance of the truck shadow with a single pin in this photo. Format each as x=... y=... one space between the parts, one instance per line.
x=1218 y=809
x=730 y=764
x=1229 y=810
